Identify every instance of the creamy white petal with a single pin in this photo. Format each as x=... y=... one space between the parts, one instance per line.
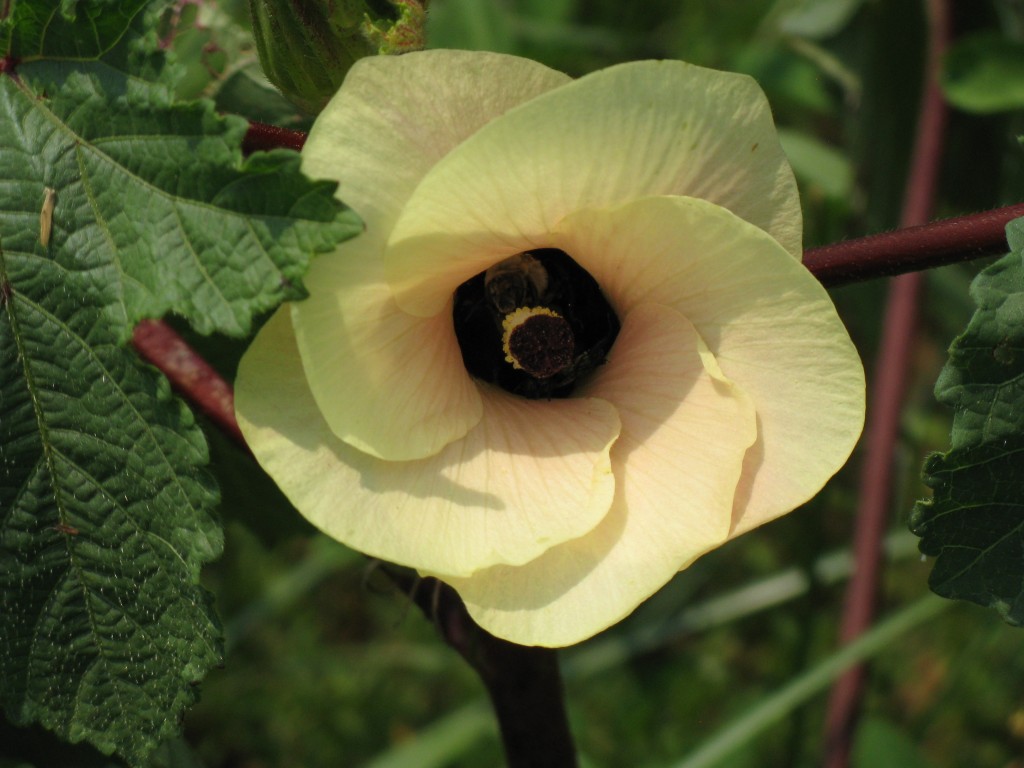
x=396 y=116
x=638 y=129
x=770 y=324
x=388 y=383
x=391 y=384
x=676 y=463
x=529 y=476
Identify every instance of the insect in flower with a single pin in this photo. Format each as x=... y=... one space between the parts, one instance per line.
x=518 y=281
x=534 y=324
x=46 y=215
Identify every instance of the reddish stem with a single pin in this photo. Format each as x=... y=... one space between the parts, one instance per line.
x=189 y=374
x=886 y=401
x=913 y=249
x=262 y=137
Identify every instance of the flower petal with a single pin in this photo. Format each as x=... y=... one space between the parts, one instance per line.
x=635 y=130
x=396 y=116
x=684 y=433
x=768 y=321
x=388 y=383
x=531 y=475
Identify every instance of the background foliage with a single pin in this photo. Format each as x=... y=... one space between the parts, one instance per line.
x=324 y=664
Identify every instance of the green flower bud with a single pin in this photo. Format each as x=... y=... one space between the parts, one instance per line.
x=307 y=46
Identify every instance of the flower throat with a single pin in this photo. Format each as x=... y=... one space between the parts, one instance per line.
x=535 y=324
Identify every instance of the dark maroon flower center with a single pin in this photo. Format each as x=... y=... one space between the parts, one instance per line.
x=535 y=324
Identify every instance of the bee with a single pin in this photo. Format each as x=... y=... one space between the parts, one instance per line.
x=535 y=324
x=518 y=281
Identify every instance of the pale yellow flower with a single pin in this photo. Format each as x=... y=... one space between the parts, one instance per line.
x=731 y=394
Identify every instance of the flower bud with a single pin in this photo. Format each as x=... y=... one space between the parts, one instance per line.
x=307 y=46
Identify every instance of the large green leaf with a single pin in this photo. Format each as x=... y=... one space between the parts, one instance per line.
x=106 y=510
x=974 y=524
x=155 y=209
x=105 y=519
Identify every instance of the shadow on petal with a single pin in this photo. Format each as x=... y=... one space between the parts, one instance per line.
x=529 y=476
x=685 y=430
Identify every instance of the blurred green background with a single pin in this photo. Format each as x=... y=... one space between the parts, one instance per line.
x=329 y=666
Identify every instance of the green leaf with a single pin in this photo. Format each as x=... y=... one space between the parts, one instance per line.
x=105 y=519
x=136 y=54
x=974 y=524
x=106 y=510
x=156 y=206
x=58 y=29
x=985 y=73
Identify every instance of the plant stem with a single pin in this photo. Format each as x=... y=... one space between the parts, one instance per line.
x=526 y=690
x=262 y=137
x=524 y=683
x=189 y=374
x=913 y=249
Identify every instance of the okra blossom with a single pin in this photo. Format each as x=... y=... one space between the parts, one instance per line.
x=730 y=395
